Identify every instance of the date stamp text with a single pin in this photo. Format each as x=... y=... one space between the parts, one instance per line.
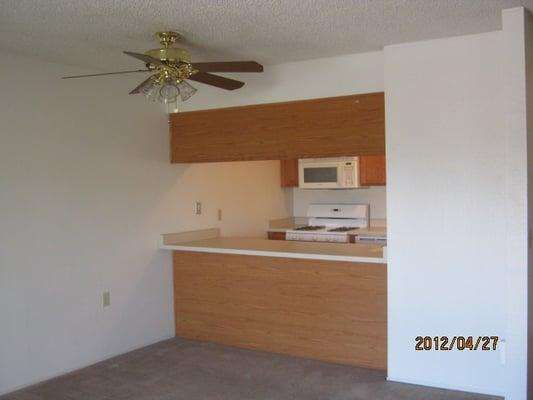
x=445 y=343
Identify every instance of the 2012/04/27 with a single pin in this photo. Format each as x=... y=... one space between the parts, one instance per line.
x=445 y=343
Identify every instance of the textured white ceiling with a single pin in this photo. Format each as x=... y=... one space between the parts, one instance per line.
x=92 y=33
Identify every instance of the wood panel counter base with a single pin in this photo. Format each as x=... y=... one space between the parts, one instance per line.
x=333 y=311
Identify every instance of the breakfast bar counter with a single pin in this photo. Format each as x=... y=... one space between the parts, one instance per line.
x=325 y=301
x=367 y=253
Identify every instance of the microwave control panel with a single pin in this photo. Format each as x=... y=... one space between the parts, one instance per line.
x=349 y=174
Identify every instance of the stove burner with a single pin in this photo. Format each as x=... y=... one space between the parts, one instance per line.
x=310 y=228
x=342 y=229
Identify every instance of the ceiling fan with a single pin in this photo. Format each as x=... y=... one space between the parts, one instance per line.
x=172 y=68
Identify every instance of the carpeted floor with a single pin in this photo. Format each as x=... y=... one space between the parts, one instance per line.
x=180 y=369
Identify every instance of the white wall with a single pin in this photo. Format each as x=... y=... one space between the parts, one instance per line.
x=470 y=96
x=325 y=77
x=86 y=188
x=517 y=62
x=375 y=196
x=446 y=197
x=528 y=42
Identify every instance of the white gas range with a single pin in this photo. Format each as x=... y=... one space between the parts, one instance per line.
x=331 y=223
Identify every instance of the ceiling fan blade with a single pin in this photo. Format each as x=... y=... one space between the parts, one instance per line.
x=229 y=66
x=144 y=58
x=105 y=73
x=141 y=85
x=215 y=80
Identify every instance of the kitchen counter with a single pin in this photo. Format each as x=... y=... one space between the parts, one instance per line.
x=364 y=253
x=372 y=230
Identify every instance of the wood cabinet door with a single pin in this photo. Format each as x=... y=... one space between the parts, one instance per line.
x=289 y=173
x=327 y=127
x=372 y=170
x=276 y=235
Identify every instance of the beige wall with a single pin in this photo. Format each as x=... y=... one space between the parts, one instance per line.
x=248 y=193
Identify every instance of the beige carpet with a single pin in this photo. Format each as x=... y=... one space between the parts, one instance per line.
x=186 y=370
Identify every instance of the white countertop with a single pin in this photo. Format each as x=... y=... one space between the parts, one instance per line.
x=351 y=252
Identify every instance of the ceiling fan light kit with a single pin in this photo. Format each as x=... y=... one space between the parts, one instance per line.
x=167 y=91
x=172 y=67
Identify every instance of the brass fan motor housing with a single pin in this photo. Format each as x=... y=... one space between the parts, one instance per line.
x=170 y=54
x=167 y=38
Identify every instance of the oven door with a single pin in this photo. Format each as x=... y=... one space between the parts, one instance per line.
x=320 y=175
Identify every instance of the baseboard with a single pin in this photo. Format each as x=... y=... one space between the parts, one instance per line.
x=82 y=365
x=441 y=385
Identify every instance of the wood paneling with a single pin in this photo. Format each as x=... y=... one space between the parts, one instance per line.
x=335 y=126
x=372 y=170
x=326 y=310
x=276 y=235
x=289 y=173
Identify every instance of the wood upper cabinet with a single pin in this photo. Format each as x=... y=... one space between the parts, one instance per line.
x=328 y=127
x=289 y=173
x=372 y=170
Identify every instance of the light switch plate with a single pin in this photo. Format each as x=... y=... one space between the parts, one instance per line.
x=106 y=299
x=198 y=208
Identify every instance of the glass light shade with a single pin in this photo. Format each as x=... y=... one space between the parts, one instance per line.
x=169 y=92
x=151 y=90
x=172 y=107
x=186 y=90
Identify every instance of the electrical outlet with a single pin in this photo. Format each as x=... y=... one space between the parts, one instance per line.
x=106 y=299
x=198 y=208
x=220 y=214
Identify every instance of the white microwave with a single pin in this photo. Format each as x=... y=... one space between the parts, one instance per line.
x=328 y=173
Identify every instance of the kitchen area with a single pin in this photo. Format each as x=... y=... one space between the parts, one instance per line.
x=329 y=190
x=314 y=283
